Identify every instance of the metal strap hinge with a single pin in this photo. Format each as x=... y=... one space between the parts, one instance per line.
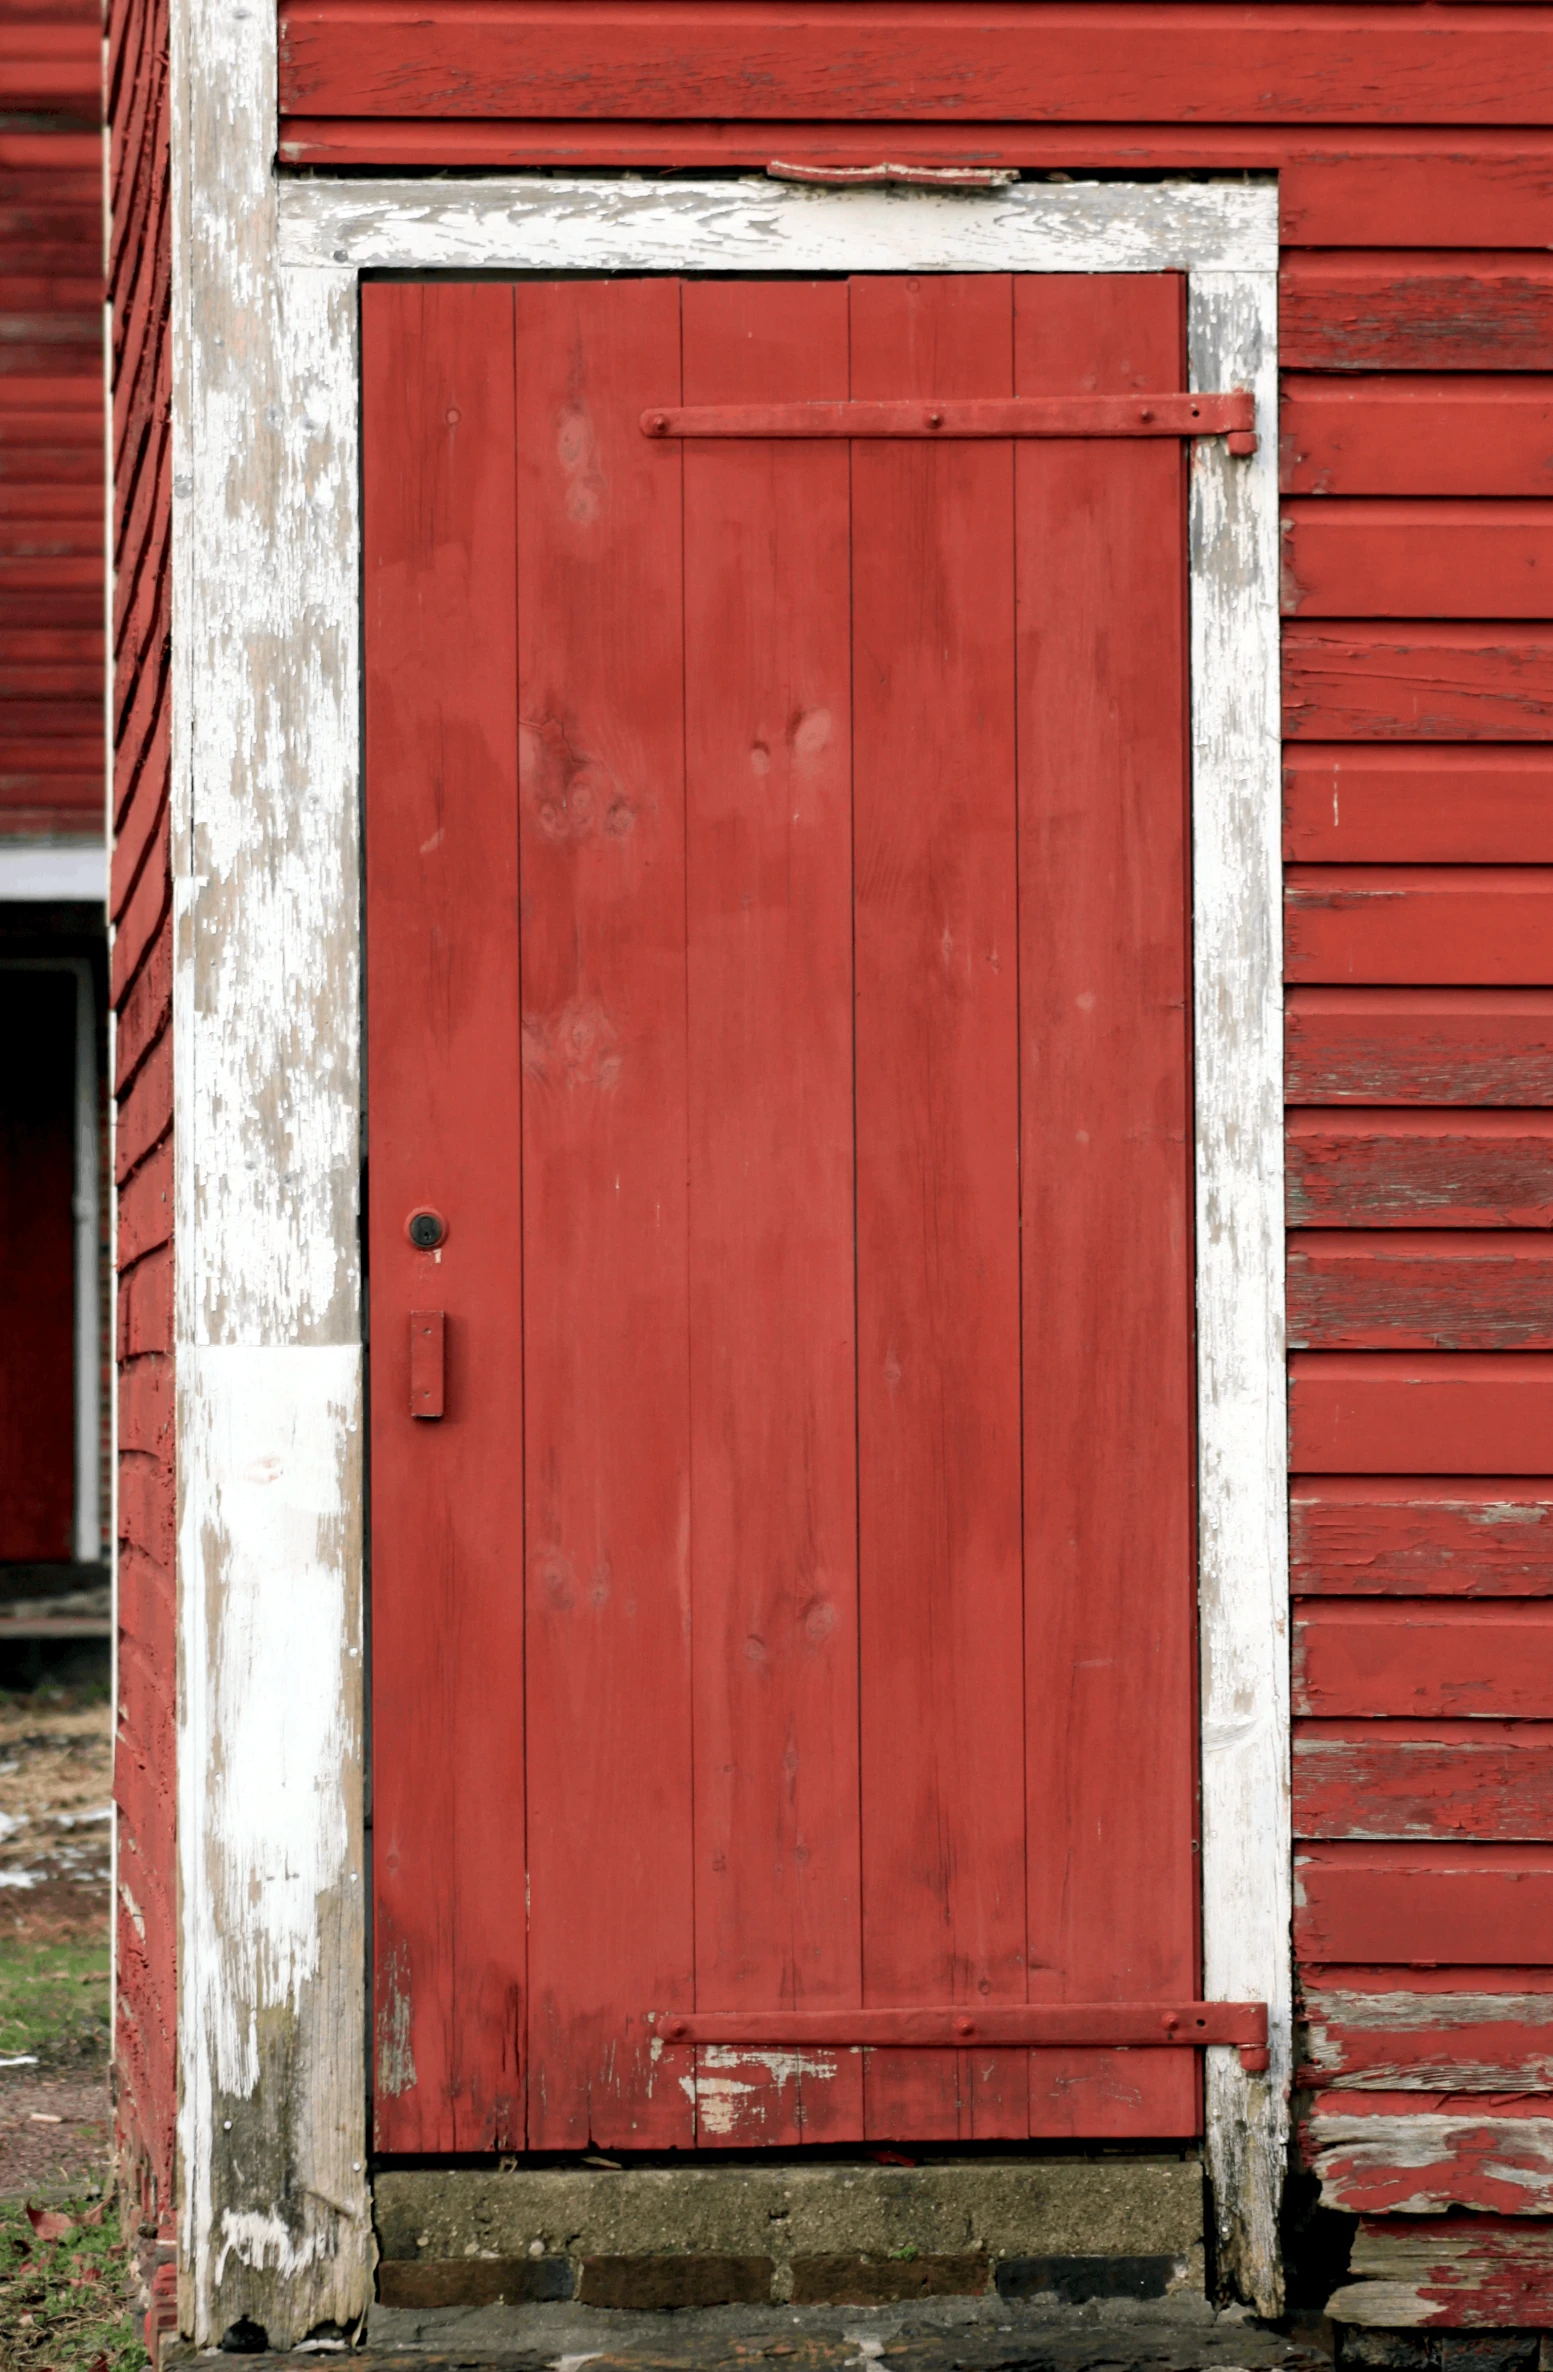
x=1231 y=415
x=1019 y=2026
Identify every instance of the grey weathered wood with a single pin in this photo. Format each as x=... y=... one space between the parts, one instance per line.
x=272 y=2141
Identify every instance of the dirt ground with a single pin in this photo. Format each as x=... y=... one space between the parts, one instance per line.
x=55 y=1776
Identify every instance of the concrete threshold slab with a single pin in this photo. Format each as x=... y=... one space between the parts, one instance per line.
x=949 y=2335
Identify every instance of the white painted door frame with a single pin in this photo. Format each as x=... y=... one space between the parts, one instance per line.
x=267 y=1046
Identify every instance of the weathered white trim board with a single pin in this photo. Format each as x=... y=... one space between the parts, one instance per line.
x=266 y=558
x=75 y=872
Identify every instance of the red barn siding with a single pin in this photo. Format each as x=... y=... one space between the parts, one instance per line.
x=141 y=990
x=1417 y=342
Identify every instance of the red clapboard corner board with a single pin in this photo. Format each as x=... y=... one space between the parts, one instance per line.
x=1406 y=1535
x=1389 y=1168
x=1439 y=1903
x=1401 y=1412
x=1393 y=1657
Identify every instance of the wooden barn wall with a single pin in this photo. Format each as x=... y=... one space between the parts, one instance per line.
x=140 y=901
x=1416 y=196
x=51 y=422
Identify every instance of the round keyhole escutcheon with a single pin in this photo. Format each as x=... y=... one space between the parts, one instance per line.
x=426 y=1229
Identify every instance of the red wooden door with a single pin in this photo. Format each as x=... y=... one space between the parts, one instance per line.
x=778 y=989
x=37 y=1278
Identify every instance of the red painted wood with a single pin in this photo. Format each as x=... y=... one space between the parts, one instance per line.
x=1479 y=1046
x=1458 y=1537
x=1489 y=925
x=1106 y=1195
x=937 y=942
x=605 y=1142
x=1395 y=1656
x=1432 y=1903
x=1382 y=1169
x=1417 y=682
x=1493 y=2272
x=1104 y=62
x=1410 y=1288
x=1398 y=806
x=1406 y=311
x=1443 y=2030
x=1424 y=1779
x=37 y=1283
x=1401 y=1412
x=1395 y=559
x=1419 y=2155
x=442 y=1054
x=1461 y=434
x=772 y=1287
x=1147 y=2025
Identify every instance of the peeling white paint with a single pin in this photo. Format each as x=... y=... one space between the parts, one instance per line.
x=1242 y=1459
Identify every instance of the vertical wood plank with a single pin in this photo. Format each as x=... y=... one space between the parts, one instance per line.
x=938 y=1206
x=773 y=1405
x=1242 y=1390
x=1104 y=971
x=443 y=1083
x=606 y=1453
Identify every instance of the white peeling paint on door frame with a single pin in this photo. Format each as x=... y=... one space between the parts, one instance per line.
x=267 y=900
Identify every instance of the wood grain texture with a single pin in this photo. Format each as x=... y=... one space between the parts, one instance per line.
x=1402 y=1169
x=1104 y=976
x=1104 y=63
x=568 y=223
x=1420 y=1289
x=441 y=853
x=1388 y=2153
x=1400 y=1412
x=772 y=1286
x=1381 y=805
x=273 y=2198
x=1403 y=1535
x=1384 y=1657
x=1449 y=2273
x=1427 y=2030
x=1441 y=1904
x=1404 y=186
x=941 y=1613
x=605 y=1141
x=1346 y=558
x=1488 y=925
x=1420 y=434
x=1382 y=1046
x=1418 y=682
x=1406 y=311
x=1241 y=1412
x=1440 y=1778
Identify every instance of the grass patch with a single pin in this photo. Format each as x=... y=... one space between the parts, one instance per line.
x=68 y=2303
x=54 y=1999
